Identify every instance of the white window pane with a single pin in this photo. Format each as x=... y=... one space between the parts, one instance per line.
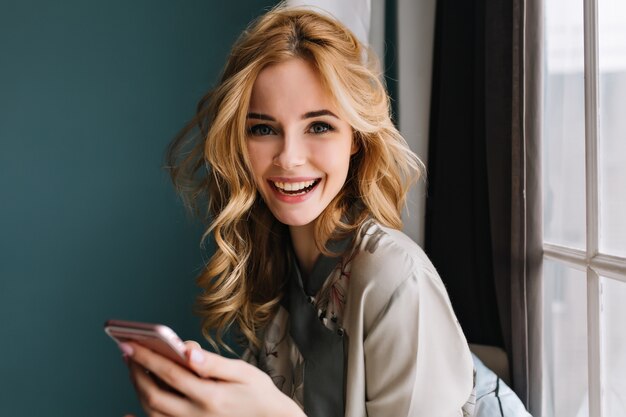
x=612 y=61
x=563 y=125
x=614 y=347
x=565 y=387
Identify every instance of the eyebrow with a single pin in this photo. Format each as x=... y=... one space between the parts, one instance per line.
x=260 y=116
x=318 y=113
x=308 y=115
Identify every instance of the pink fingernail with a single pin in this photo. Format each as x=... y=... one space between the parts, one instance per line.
x=197 y=356
x=126 y=348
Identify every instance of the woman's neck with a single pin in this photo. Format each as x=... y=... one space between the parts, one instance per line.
x=303 y=241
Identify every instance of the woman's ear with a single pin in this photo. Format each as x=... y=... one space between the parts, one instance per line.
x=356 y=143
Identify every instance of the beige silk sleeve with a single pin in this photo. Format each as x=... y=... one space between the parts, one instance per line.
x=417 y=362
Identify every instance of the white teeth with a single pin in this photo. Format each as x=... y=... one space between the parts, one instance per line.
x=293 y=186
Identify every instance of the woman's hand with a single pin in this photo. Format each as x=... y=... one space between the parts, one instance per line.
x=219 y=386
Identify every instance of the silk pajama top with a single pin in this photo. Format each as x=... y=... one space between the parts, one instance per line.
x=369 y=333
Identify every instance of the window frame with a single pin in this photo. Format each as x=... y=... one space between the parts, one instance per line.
x=592 y=261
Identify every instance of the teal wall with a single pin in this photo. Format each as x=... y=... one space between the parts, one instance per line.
x=90 y=228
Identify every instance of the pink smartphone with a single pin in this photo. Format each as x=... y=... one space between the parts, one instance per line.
x=156 y=337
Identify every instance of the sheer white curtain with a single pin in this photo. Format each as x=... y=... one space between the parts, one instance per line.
x=416 y=32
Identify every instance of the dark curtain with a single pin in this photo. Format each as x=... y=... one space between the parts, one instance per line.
x=468 y=210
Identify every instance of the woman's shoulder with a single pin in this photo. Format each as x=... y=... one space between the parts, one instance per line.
x=384 y=261
x=383 y=250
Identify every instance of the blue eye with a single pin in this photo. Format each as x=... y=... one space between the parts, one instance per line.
x=261 y=130
x=320 y=127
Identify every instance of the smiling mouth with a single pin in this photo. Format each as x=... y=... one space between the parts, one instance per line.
x=294 y=188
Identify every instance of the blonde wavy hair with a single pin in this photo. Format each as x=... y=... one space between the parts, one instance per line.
x=245 y=278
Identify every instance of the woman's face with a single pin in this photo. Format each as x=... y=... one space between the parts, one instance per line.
x=298 y=145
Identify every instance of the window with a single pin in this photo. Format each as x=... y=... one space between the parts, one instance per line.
x=584 y=208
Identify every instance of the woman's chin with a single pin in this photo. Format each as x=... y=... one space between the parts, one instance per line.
x=291 y=220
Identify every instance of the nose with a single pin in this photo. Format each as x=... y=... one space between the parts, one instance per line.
x=292 y=152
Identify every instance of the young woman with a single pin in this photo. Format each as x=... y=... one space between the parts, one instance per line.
x=303 y=177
